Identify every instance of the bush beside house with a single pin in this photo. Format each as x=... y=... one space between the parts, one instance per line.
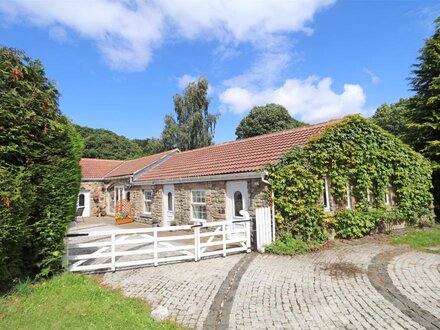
x=372 y=178
x=39 y=170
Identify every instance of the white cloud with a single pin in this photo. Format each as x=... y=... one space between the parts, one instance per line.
x=374 y=79
x=265 y=71
x=128 y=31
x=184 y=80
x=311 y=100
x=239 y=21
x=125 y=32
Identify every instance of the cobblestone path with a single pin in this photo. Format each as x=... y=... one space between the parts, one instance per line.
x=351 y=286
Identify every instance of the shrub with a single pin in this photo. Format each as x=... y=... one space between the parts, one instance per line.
x=286 y=244
x=355 y=223
x=39 y=170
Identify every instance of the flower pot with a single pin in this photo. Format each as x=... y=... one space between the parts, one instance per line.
x=124 y=220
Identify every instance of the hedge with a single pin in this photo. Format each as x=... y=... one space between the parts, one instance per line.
x=39 y=170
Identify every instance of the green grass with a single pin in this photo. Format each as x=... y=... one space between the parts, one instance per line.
x=421 y=239
x=70 y=301
x=287 y=245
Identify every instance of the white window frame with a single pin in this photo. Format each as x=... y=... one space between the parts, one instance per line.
x=348 y=206
x=387 y=197
x=326 y=196
x=147 y=201
x=369 y=196
x=198 y=204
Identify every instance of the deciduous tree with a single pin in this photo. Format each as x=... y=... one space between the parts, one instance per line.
x=266 y=119
x=192 y=126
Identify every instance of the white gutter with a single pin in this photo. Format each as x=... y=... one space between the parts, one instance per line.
x=273 y=203
x=207 y=178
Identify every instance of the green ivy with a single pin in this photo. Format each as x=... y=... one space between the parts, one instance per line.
x=352 y=152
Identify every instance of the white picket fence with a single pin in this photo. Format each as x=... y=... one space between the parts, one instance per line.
x=264 y=227
x=97 y=250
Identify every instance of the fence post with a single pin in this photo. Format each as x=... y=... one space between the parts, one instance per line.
x=113 y=252
x=155 y=246
x=224 y=238
x=247 y=217
x=66 y=254
x=197 y=243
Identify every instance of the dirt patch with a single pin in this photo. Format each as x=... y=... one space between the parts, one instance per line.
x=340 y=269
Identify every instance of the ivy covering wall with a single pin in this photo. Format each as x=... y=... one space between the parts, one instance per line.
x=39 y=171
x=353 y=153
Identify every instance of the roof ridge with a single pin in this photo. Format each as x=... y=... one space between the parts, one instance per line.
x=103 y=159
x=158 y=153
x=296 y=129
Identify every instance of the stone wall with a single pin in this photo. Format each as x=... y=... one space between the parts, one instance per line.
x=215 y=194
x=97 y=197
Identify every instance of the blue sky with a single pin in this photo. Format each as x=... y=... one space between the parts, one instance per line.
x=118 y=64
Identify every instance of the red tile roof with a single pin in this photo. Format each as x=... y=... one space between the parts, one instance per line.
x=247 y=155
x=97 y=168
x=132 y=166
x=107 y=168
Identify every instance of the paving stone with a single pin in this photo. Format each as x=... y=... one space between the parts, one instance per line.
x=329 y=289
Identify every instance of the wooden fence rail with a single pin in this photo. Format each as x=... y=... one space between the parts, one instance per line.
x=109 y=250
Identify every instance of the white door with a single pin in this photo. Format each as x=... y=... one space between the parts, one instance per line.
x=237 y=199
x=84 y=201
x=168 y=204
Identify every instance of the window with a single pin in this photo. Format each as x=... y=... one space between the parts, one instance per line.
x=348 y=206
x=148 y=194
x=127 y=195
x=170 y=201
x=238 y=203
x=81 y=200
x=198 y=204
x=370 y=195
x=325 y=194
x=386 y=198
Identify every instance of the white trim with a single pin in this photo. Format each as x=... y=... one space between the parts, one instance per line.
x=150 y=201
x=207 y=178
x=348 y=206
x=168 y=215
x=387 y=197
x=326 y=197
x=198 y=204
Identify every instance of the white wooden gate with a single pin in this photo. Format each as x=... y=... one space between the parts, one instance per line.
x=95 y=250
x=264 y=227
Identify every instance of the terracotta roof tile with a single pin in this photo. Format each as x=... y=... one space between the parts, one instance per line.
x=107 y=168
x=97 y=168
x=132 y=166
x=245 y=155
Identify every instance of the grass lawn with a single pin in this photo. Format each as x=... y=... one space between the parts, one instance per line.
x=421 y=239
x=71 y=301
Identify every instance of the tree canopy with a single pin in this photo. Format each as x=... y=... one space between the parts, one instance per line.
x=39 y=170
x=394 y=118
x=417 y=120
x=424 y=118
x=192 y=126
x=105 y=144
x=266 y=119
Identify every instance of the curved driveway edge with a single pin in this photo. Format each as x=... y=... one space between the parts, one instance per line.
x=187 y=289
x=338 y=288
x=378 y=274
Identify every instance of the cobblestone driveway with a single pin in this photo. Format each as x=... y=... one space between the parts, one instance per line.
x=350 y=286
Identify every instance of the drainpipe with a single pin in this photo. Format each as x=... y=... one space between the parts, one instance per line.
x=263 y=175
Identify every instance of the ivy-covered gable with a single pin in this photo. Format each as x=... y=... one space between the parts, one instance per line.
x=356 y=155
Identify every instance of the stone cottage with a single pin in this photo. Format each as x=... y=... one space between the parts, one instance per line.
x=173 y=187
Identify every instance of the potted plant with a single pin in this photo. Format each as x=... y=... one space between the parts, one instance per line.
x=123 y=217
